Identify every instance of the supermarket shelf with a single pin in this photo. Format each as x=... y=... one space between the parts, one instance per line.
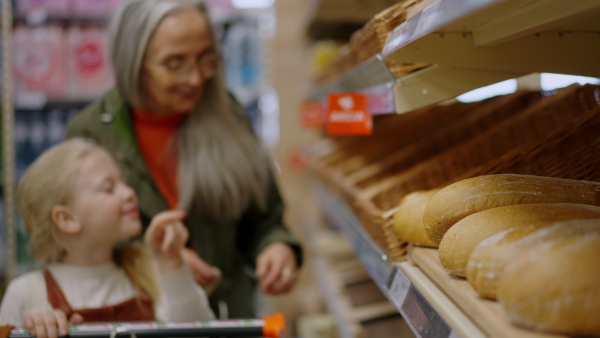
x=492 y=22
x=476 y=43
x=486 y=314
x=410 y=286
x=428 y=316
x=433 y=303
x=489 y=42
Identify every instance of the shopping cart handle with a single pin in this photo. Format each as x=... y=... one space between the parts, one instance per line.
x=269 y=326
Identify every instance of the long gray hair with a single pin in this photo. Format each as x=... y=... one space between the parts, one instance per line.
x=222 y=168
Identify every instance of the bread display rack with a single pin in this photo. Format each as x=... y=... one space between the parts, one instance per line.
x=480 y=43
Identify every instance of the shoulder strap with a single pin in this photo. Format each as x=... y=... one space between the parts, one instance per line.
x=56 y=297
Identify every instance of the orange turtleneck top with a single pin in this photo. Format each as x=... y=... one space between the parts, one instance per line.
x=153 y=134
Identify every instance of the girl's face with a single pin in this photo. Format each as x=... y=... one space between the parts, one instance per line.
x=104 y=205
x=179 y=60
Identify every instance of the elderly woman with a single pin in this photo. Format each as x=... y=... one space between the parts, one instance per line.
x=184 y=143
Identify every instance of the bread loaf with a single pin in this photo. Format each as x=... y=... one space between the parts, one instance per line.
x=483 y=264
x=554 y=286
x=493 y=254
x=408 y=219
x=469 y=196
x=460 y=240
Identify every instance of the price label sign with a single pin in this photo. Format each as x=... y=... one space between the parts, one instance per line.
x=399 y=288
x=313 y=115
x=348 y=115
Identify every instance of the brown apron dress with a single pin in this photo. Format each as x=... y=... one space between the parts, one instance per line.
x=134 y=309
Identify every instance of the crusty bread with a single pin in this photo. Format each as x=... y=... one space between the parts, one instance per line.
x=494 y=253
x=469 y=196
x=460 y=240
x=553 y=286
x=489 y=256
x=408 y=219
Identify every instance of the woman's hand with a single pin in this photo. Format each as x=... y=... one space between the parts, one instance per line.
x=50 y=324
x=205 y=274
x=276 y=269
x=166 y=237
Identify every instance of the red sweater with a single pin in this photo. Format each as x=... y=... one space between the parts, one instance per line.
x=153 y=134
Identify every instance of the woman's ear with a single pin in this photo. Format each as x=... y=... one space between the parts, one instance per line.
x=65 y=220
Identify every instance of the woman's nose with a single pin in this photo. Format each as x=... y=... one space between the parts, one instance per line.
x=195 y=77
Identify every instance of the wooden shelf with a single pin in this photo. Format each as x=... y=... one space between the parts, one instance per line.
x=499 y=41
x=423 y=319
x=472 y=44
x=433 y=303
x=486 y=314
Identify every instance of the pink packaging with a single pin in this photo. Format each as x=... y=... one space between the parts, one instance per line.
x=94 y=8
x=89 y=68
x=60 y=8
x=38 y=63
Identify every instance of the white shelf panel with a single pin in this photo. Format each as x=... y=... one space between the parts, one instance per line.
x=436 y=16
x=491 y=41
x=513 y=19
x=438 y=83
x=495 y=21
x=550 y=52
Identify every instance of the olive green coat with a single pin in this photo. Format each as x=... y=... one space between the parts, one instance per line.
x=230 y=245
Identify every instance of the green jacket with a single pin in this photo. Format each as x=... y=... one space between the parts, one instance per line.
x=232 y=246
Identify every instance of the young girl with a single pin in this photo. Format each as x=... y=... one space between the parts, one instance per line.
x=78 y=211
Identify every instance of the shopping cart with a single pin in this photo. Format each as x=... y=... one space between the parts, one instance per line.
x=269 y=326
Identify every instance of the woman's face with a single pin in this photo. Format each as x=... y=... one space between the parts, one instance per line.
x=177 y=63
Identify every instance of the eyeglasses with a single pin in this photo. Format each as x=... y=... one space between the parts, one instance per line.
x=181 y=69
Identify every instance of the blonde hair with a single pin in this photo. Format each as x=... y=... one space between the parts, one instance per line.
x=222 y=168
x=50 y=181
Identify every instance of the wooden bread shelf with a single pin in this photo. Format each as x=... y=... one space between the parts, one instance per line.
x=433 y=303
x=486 y=314
x=424 y=319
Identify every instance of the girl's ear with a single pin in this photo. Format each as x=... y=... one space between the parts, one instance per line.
x=65 y=220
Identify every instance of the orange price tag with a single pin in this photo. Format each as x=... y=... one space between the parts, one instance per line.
x=349 y=115
x=313 y=115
